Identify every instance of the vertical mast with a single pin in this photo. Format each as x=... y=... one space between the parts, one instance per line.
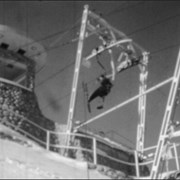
x=77 y=69
x=166 y=120
x=142 y=105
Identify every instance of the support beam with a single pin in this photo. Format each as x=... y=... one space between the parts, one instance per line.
x=76 y=71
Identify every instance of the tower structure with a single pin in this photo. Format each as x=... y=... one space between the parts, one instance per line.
x=109 y=40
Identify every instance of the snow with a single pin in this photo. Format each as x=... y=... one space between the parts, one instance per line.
x=20 y=160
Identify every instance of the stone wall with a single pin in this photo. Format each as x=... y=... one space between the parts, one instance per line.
x=16 y=103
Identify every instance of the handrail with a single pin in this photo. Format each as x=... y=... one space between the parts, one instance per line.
x=14 y=83
x=94 y=156
x=117 y=160
x=24 y=118
x=106 y=140
x=73 y=134
x=41 y=128
x=60 y=146
x=38 y=140
x=72 y=147
x=49 y=144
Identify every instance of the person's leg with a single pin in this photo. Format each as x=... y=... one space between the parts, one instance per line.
x=94 y=95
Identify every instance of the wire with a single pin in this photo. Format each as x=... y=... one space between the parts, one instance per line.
x=117 y=10
x=156 y=23
x=62 y=32
x=75 y=25
x=56 y=73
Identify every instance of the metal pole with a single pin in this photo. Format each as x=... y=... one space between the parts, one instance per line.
x=136 y=164
x=95 y=151
x=76 y=71
x=47 y=140
x=125 y=102
x=176 y=156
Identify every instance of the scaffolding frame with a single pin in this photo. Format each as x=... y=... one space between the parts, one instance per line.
x=112 y=37
x=76 y=73
x=93 y=24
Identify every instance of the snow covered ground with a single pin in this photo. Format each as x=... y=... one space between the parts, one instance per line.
x=22 y=160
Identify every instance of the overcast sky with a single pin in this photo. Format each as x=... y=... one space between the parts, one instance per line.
x=152 y=24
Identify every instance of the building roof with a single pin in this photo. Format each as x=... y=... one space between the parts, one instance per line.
x=16 y=41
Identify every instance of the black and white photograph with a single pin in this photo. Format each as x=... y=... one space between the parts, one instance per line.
x=90 y=89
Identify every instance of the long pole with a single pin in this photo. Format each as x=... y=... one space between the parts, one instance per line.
x=76 y=71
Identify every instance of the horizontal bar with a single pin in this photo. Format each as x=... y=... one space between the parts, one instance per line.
x=125 y=102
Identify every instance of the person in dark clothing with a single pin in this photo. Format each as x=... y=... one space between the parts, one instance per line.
x=102 y=91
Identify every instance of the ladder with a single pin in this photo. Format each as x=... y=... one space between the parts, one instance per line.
x=166 y=120
x=76 y=72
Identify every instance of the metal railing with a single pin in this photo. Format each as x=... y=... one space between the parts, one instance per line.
x=45 y=137
x=91 y=150
x=34 y=132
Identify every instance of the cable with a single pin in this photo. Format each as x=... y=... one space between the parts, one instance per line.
x=156 y=23
x=124 y=8
x=56 y=73
x=62 y=32
x=39 y=70
x=75 y=25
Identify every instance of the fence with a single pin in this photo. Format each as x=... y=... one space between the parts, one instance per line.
x=94 y=150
